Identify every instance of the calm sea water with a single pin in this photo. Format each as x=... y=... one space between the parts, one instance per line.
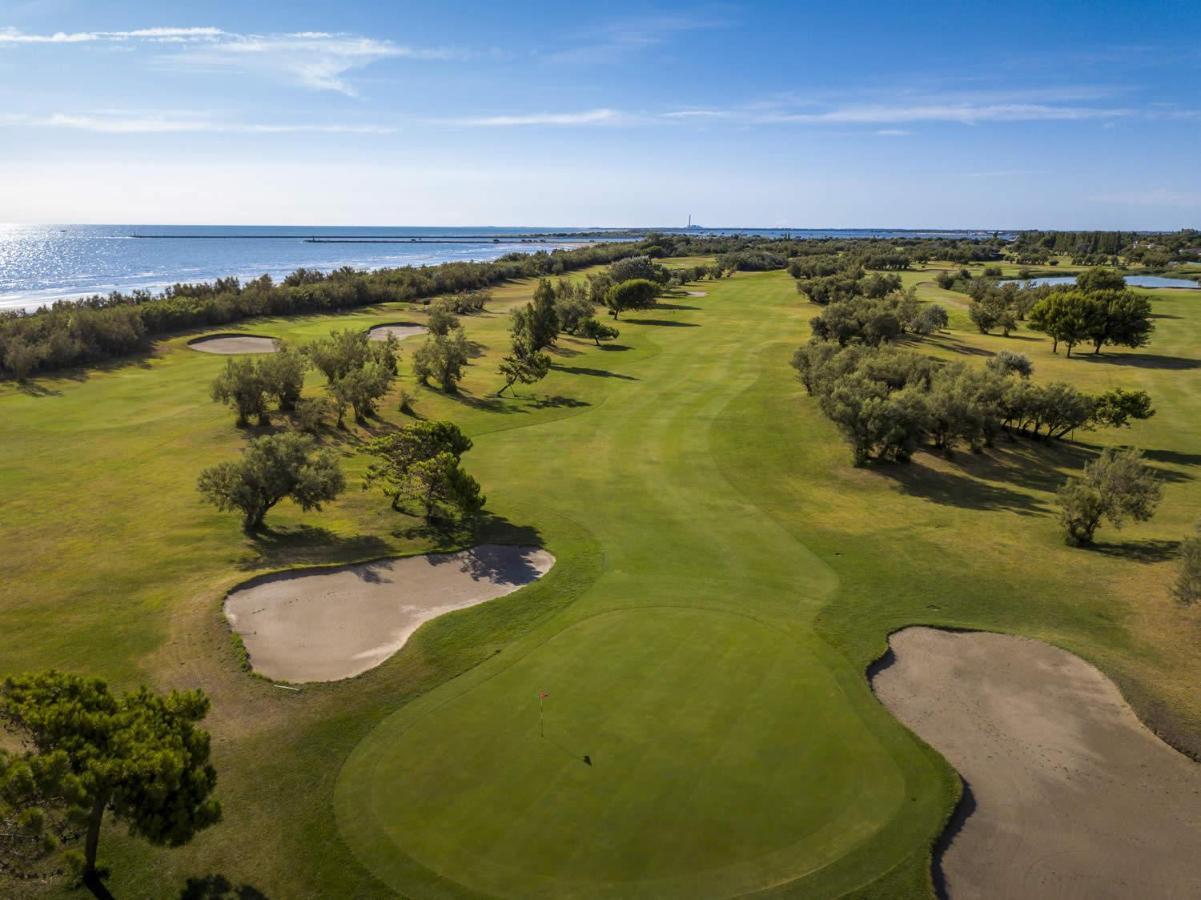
x=40 y=264
x=1143 y=281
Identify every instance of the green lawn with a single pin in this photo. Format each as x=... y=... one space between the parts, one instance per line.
x=723 y=578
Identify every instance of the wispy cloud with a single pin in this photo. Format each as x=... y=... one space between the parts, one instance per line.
x=13 y=36
x=613 y=41
x=586 y=117
x=180 y=123
x=893 y=132
x=313 y=59
x=906 y=113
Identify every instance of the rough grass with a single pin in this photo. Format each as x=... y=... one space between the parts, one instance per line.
x=724 y=578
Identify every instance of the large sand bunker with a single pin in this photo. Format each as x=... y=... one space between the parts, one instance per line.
x=398 y=330
x=1067 y=793
x=331 y=624
x=697 y=293
x=231 y=344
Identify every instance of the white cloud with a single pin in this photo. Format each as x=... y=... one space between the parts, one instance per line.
x=587 y=117
x=13 y=36
x=893 y=132
x=314 y=59
x=180 y=123
x=962 y=113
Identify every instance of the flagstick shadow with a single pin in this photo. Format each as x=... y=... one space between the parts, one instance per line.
x=585 y=759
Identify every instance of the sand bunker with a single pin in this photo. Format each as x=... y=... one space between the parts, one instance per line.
x=230 y=344
x=399 y=330
x=1068 y=794
x=331 y=624
x=697 y=293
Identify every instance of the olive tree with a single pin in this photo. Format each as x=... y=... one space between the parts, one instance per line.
x=421 y=462
x=271 y=468
x=138 y=756
x=442 y=357
x=1187 y=588
x=1117 y=407
x=282 y=376
x=240 y=386
x=637 y=293
x=523 y=365
x=442 y=319
x=1115 y=486
x=597 y=330
x=1006 y=362
x=1069 y=318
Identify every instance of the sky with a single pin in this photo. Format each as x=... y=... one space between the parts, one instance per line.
x=851 y=114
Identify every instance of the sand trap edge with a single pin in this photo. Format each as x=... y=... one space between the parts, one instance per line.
x=258 y=345
x=527 y=551
x=379 y=332
x=965 y=802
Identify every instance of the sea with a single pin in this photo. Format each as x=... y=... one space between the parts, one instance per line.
x=40 y=264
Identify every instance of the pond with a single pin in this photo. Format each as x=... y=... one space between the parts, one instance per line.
x=1143 y=281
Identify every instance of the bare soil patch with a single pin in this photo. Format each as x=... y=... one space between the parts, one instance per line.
x=232 y=344
x=1068 y=794
x=399 y=330
x=330 y=624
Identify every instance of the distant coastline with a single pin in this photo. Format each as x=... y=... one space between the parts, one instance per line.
x=44 y=263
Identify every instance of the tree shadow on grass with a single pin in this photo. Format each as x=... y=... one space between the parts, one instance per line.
x=494 y=529
x=946 y=342
x=954 y=489
x=558 y=402
x=599 y=373
x=307 y=545
x=487 y=404
x=615 y=347
x=1173 y=457
x=218 y=887
x=1151 y=551
x=475 y=350
x=1142 y=360
x=681 y=306
x=34 y=389
x=667 y=323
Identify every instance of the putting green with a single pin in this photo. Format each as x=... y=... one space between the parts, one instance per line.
x=712 y=768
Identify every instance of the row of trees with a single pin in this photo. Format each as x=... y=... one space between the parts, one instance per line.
x=74 y=333
x=418 y=463
x=358 y=373
x=863 y=320
x=888 y=401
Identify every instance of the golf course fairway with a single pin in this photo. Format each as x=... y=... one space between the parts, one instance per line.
x=724 y=753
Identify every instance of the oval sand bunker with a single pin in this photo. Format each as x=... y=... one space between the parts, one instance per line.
x=1073 y=796
x=335 y=623
x=399 y=330
x=231 y=344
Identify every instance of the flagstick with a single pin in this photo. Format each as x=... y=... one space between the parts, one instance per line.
x=541 y=728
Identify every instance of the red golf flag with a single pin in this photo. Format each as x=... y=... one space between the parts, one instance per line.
x=542 y=695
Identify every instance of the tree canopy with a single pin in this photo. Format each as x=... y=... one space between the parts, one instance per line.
x=1115 y=486
x=271 y=468
x=138 y=756
x=421 y=462
x=637 y=293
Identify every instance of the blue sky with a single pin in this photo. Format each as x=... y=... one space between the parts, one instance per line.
x=1063 y=114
